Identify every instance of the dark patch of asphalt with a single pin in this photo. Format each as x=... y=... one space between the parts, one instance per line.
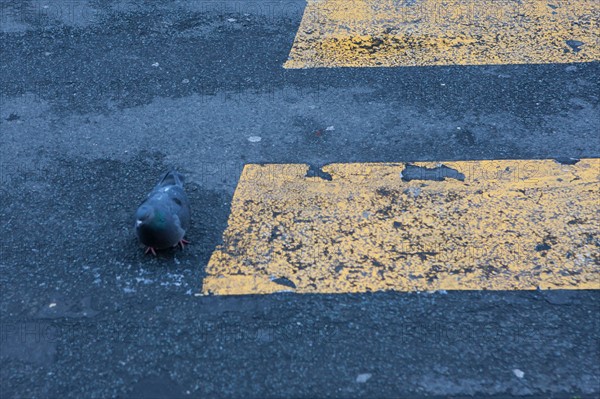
x=95 y=105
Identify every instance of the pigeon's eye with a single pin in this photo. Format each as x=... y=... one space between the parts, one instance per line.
x=177 y=201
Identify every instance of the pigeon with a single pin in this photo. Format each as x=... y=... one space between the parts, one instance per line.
x=163 y=218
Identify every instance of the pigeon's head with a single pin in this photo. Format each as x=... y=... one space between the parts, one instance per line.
x=146 y=215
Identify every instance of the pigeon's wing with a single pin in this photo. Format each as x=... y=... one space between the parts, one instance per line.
x=178 y=204
x=182 y=206
x=179 y=225
x=171 y=178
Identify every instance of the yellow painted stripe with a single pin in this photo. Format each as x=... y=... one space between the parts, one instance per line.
x=495 y=225
x=368 y=33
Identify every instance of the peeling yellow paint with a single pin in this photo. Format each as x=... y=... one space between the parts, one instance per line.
x=494 y=225
x=368 y=33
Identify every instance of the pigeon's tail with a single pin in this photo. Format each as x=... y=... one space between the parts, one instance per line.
x=172 y=178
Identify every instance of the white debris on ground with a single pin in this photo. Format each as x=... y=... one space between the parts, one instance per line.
x=362 y=378
x=519 y=373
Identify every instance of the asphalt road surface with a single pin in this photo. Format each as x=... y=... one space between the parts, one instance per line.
x=99 y=98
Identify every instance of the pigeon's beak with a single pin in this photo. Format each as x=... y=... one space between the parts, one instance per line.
x=138 y=223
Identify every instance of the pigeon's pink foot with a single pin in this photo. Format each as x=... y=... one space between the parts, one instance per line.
x=151 y=250
x=182 y=243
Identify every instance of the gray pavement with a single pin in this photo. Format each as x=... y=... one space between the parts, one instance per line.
x=100 y=98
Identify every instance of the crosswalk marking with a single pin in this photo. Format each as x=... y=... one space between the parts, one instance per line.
x=369 y=33
x=470 y=225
